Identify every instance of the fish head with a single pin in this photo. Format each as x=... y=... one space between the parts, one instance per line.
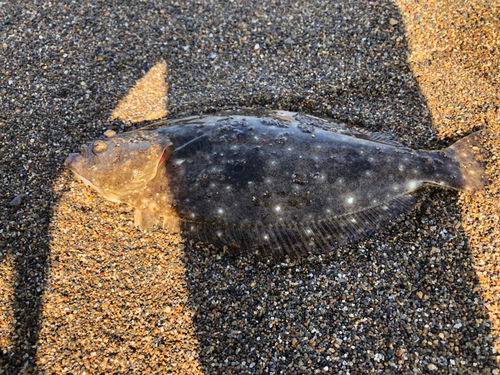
x=121 y=165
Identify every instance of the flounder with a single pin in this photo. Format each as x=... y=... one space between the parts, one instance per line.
x=272 y=181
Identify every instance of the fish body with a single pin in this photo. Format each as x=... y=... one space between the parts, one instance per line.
x=273 y=180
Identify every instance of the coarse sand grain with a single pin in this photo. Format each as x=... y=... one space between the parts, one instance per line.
x=83 y=291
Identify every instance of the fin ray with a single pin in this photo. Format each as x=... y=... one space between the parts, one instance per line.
x=296 y=239
x=144 y=219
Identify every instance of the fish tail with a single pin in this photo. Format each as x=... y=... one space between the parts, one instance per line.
x=469 y=154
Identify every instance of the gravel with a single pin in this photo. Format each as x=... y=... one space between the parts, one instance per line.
x=83 y=291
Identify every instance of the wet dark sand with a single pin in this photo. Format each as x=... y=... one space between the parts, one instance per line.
x=82 y=291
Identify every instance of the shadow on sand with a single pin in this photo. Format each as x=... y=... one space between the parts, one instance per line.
x=403 y=299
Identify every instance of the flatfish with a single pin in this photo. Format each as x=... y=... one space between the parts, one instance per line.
x=276 y=182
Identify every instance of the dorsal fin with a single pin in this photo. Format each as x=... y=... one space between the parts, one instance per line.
x=297 y=239
x=148 y=98
x=192 y=147
x=378 y=137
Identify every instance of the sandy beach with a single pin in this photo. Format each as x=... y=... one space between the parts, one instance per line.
x=82 y=291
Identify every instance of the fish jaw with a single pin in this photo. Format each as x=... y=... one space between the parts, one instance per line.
x=78 y=163
x=72 y=160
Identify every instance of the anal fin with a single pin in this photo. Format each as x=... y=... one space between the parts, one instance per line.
x=295 y=239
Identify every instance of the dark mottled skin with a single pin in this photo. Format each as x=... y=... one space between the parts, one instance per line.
x=242 y=171
x=282 y=170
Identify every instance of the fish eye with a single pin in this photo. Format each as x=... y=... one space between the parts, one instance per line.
x=109 y=133
x=100 y=147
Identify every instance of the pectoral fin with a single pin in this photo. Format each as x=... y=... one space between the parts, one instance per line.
x=144 y=219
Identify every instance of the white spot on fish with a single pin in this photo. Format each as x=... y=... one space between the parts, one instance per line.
x=289 y=149
x=277 y=208
x=268 y=180
x=250 y=182
x=350 y=200
x=412 y=185
x=228 y=187
x=220 y=211
x=266 y=237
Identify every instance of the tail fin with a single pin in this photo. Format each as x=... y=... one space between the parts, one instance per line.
x=469 y=154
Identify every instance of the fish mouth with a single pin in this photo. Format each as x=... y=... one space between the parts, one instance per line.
x=75 y=162
x=80 y=163
x=71 y=160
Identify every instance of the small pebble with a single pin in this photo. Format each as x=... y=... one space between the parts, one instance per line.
x=17 y=200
